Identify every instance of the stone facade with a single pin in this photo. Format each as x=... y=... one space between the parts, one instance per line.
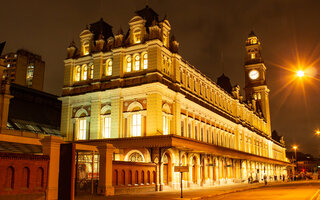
x=136 y=92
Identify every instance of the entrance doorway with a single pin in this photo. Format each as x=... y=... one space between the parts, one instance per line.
x=166 y=169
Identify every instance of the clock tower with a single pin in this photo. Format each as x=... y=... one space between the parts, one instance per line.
x=255 y=78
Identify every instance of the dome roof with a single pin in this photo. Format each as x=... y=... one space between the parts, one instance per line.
x=224 y=82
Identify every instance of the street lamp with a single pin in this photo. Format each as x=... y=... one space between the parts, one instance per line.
x=317 y=132
x=300 y=73
x=295 y=147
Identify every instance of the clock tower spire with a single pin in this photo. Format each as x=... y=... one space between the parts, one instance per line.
x=255 y=78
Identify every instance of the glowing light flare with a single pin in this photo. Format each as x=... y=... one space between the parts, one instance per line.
x=295 y=147
x=317 y=132
x=300 y=73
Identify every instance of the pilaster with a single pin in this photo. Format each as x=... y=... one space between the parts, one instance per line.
x=116 y=116
x=95 y=132
x=154 y=114
x=51 y=148
x=105 y=187
x=66 y=114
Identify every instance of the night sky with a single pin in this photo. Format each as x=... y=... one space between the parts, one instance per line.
x=212 y=35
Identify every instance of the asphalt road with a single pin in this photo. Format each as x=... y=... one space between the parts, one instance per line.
x=292 y=191
x=277 y=190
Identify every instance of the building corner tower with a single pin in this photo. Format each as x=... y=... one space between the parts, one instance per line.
x=256 y=89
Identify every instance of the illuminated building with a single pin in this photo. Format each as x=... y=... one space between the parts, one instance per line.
x=136 y=92
x=24 y=68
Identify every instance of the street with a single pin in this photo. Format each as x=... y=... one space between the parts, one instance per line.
x=290 y=191
x=276 y=190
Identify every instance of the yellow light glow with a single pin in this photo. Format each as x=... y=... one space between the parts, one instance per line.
x=294 y=147
x=300 y=73
x=318 y=132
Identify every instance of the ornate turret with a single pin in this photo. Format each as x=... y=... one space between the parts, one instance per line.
x=255 y=78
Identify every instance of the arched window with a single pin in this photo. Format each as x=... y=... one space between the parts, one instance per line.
x=142 y=177
x=77 y=73
x=129 y=63
x=109 y=68
x=29 y=77
x=154 y=177
x=123 y=177
x=145 y=61
x=148 y=177
x=91 y=71
x=84 y=74
x=136 y=124
x=166 y=118
x=136 y=177
x=40 y=174
x=26 y=177
x=137 y=36
x=107 y=127
x=136 y=62
x=10 y=178
x=135 y=157
x=82 y=133
x=130 y=178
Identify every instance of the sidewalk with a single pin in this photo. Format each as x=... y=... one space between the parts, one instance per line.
x=192 y=194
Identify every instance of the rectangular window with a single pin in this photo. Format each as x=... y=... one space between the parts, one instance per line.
x=208 y=136
x=82 y=133
x=107 y=127
x=189 y=130
x=129 y=67
x=165 y=125
x=202 y=136
x=136 y=125
x=196 y=132
x=182 y=128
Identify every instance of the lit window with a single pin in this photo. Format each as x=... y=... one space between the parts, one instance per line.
x=77 y=77
x=30 y=71
x=145 y=61
x=136 y=125
x=136 y=62
x=253 y=55
x=84 y=72
x=165 y=125
x=82 y=135
x=182 y=128
x=137 y=36
x=107 y=127
x=91 y=71
x=109 y=68
x=85 y=49
x=129 y=64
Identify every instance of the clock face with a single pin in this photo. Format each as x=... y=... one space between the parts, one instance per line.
x=253 y=74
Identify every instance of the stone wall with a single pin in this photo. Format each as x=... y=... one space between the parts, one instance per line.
x=130 y=177
x=23 y=173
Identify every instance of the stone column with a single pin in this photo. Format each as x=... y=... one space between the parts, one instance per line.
x=51 y=148
x=105 y=187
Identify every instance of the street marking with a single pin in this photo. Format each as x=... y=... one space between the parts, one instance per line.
x=316 y=195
